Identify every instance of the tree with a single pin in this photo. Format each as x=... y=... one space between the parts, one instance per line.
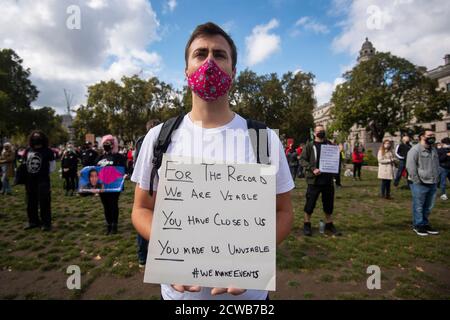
x=299 y=91
x=16 y=93
x=385 y=94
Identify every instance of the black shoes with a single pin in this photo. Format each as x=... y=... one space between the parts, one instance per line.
x=307 y=230
x=420 y=231
x=430 y=230
x=111 y=229
x=32 y=226
x=330 y=229
x=46 y=228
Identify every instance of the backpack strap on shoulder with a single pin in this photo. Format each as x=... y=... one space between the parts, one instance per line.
x=161 y=145
x=259 y=139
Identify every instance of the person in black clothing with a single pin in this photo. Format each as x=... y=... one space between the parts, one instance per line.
x=88 y=155
x=69 y=166
x=318 y=183
x=292 y=158
x=401 y=151
x=110 y=200
x=40 y=161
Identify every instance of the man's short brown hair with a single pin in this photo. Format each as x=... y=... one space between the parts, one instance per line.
x=211 y=29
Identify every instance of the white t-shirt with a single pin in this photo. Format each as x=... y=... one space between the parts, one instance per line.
x=230 y=143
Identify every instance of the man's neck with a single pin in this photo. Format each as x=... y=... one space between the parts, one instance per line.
x=319 y=140
x=425 y=145
x=211 y=114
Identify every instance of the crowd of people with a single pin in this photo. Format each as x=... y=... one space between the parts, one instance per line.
x=425 y=166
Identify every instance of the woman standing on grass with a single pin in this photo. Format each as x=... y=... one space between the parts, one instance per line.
x=7 y=164
x=110 y=200
x=357 y=159
x=386 y=164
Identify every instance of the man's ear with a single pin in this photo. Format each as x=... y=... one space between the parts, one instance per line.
x=233 y=74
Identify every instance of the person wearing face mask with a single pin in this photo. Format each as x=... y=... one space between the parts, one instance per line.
x=110 y=200
x=444 y=166
x=423 y=171
x=401 y=152
x=211 y=59
x=318 y=183
x=69 y=166
x=40 y=162
x=386 y=165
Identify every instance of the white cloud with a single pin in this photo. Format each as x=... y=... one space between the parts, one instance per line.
x=228 y=26
x=112 y=42
x=323 y=90
x=170 y=5
x=261 y=44
x=417 y=30
x=310 y=24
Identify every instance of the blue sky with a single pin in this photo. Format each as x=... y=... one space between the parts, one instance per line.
x=299 y=48
x=71 y=44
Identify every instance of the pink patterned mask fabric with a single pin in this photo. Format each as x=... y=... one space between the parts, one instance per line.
x=209 y=82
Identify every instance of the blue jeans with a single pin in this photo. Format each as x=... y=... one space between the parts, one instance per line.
x=423 y=197
x=401 y=167
x=142 y=249
x=443 y=173
x=5 y=182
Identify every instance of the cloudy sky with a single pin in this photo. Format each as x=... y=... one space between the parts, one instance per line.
x=113 y=38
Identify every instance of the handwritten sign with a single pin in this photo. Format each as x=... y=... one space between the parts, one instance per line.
x=213 y=225
x=329 y=159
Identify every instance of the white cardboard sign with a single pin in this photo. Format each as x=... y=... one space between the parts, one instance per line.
x=214 y=225
x=329 y=158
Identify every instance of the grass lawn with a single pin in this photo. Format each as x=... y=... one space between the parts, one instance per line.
x=376 y=232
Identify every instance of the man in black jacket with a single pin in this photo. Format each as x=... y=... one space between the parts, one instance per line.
x=318 y=183
x=401 y=152
x=444 y=166
x=88 y=155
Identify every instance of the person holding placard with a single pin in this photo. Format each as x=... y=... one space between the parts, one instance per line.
x=211 y=58
x=319 y=182
x=110 y=200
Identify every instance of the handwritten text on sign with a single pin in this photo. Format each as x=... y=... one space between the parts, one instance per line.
x=329 y=159
x=213 y=226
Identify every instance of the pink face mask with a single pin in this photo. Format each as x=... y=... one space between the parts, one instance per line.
x=209 y=82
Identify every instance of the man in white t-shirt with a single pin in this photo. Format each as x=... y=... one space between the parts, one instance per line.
x=210 y=131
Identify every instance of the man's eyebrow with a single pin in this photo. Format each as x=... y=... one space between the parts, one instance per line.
x=202 y=50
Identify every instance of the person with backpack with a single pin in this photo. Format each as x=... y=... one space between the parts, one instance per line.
x=401 y=152
x=211 y=58
x=40 y=162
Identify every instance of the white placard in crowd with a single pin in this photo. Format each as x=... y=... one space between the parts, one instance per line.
x=329 y=158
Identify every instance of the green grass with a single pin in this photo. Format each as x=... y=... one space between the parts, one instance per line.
x=375 y=231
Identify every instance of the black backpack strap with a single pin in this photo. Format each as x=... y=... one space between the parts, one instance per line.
x=161 y=145
x=259 y=137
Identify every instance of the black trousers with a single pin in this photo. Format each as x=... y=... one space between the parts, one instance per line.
x=71 y=181
x=38 y=195
x=110 y=201
x=357 y=169
x=312 y=194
